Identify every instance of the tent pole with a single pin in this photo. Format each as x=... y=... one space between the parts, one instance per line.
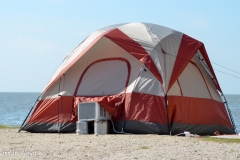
x=222 y=95
x=26 y=117
x=29 y=113
x=59 y=98
x=167 y=108
x=229 y=112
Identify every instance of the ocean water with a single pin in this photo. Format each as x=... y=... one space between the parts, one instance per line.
x=14 y=107
x=234 y=105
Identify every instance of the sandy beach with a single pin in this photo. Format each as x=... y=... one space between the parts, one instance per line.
x=26 y=145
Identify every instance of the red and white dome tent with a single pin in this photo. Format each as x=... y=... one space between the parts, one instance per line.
x=150 y=78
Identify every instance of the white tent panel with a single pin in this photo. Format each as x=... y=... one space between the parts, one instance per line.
x=112 y=27
x=170 y=46
x=175 y=90
x=149 y=36
x=104 y=78
x=192 y=83
x=52 y=92
x=160 y=31
x=156 y=58
x=204 y=64
x=211 y=86
x=139 y=33
x=103 y=49
x=148 y=83
x=76 y=52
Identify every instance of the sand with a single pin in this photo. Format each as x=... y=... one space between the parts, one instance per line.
x=26 y=145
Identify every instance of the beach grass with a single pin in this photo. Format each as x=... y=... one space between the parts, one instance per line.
x=8 y=127
x=220 y=140
x=144 y=147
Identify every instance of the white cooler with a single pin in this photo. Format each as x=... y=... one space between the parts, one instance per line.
x=82 y=127
x=100 y=127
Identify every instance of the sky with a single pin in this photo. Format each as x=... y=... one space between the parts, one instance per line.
x=35 y=36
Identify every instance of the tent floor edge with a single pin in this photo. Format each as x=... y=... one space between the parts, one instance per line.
x=200 y=129
x=49 y=127
x=140 y=127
